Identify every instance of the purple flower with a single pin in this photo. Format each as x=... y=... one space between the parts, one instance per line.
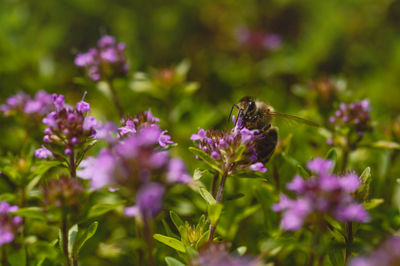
x=320 y=166
x=355 y=116
x=200 y=135
x=38 y=106
x=324 y=193
x=387 y=254
x=9 y=224
x=297 y=185
x=59 y=101
x=176 y=172
x=128 y=128
x=89 y=124
x=149 y=200
x=164 y=139
x=106 y=60
x=99 y=170
x=258 y=167
x=227 y=148
x=83 y=107
x=43 y=153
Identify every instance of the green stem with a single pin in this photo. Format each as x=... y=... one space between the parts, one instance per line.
x=149 y=241
x=139 y=236
x=218 y=199
x=64 y=234
x=72 y=165
x=115 y=99
x=349 y=240
x=3 y=256
x=214 y=185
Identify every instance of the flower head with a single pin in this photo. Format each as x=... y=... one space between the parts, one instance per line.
x=232 y=151
x=32 y=107
x=323 y=193
x=107 y=59
x=355 y=116
x=68 y=128
x=10 y=225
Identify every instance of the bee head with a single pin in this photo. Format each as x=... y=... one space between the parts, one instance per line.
x=247 y=108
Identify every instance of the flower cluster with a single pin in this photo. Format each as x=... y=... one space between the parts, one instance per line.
x=9 y=224
x=104 y=61
x=68 y=127
x=217 y=254
x=142 y=120
x=139 y=162
x=38 y=106
x=257 y=39
x=226 y=148
x=388 y=254
x=321 y=194
x=355 y=115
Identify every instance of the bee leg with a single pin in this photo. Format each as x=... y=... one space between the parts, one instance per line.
x=265 y=147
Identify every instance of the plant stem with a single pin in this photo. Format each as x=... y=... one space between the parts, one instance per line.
x=64 y=233
x=72 y=166
x=149 y=241
x=349 y=240
x=139 y=236
x=345 y=159
x=3 y=256
x=116 y=101
x=214 y=185
x=218 y=199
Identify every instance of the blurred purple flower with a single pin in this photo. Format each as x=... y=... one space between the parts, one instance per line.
x=324 y=193
x=104 y=61
x=176 y=172
x=43 y=153
x=387 y=254
x=9 y=224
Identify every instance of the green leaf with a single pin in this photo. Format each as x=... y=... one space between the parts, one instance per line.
x=83 y=236
x=173 y=262
x=373 y=203
x=207 y=196
x=214 y=212
x=167 y=229
x=171 y=242
x=17 y=258
x=205 y=158
x=386 y=145
x=332 y=155
x=102 y=208
x=198 y=174
x=296 y=164
x=176 y=219
x=31 y=212
x=72 y=233
x=363 y=190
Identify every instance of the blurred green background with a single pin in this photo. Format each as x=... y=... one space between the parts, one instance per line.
x=356 y=43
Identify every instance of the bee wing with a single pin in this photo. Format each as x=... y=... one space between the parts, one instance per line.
x=294 y=118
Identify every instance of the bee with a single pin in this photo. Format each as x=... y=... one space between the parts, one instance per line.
x=257 y=115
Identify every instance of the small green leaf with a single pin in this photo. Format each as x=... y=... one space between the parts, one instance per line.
x=72 y=233
x=373 y=203
x=363 y=190
x=173 y=262
x=17 y=258
x=198 y=174
x=214 y=212
x=296 y=164
x=83 y=236
x=332 y=155
x=207 y=196
x=30 y=212
x=102 y=208
x=176 y=219
x=205 y=158
x=171 y=242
